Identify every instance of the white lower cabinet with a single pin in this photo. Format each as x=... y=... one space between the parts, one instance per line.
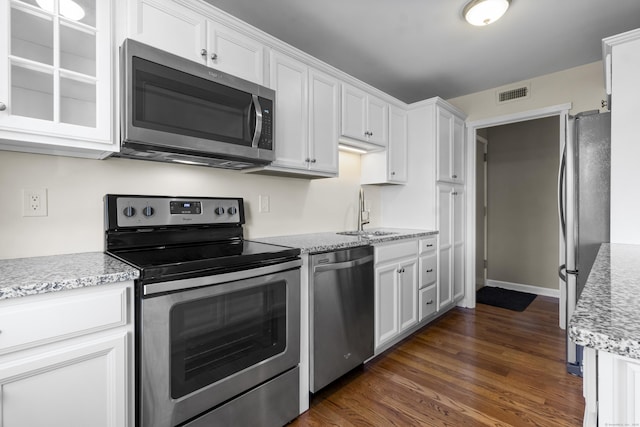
x=396 y=290
x=65 y=358
x=618 y=391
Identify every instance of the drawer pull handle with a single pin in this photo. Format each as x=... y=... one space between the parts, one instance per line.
x=430 y=270
x=430 y=302
x=430 y=246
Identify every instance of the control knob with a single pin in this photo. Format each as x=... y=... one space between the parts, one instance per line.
x=219 y=210
x=148 y=211
x=232 y=210
x=129 y=211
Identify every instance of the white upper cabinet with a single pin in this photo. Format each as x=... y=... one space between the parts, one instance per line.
x=55 y=87
x=234 y=53
x=307 y=117
x=188 y=33
x=389 y=166
x=324 y=119
x=450 y=138
x=364 y=116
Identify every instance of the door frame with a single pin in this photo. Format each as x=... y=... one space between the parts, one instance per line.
x=485 y=144
x=560 y=110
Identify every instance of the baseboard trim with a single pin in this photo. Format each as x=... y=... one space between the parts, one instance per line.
x=554 y=293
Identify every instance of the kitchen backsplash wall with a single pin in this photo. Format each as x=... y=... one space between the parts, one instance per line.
x=76 y=188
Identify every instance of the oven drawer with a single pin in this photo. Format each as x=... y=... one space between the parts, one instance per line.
x=35 y=320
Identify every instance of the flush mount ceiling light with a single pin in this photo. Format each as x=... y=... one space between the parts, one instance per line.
x=68 y=8
x=484 y=12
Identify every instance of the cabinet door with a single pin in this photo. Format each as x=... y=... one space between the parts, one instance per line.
x=444 y=136
x=386 y=304
x=234 y=53
x=170 y=27
x=289 y=80
x=397 y=150
x=80 y=385
x=377 y=120
x=618 y=390
x=354 y=113
x=408 y=293
x=445 y=212
x=458 y=242
x=323 y=121
x=56 y=75
x=457 y=151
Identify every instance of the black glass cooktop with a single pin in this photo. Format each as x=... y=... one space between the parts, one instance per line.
x=164 y=263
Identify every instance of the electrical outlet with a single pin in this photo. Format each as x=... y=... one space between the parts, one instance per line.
x=264 y=204
x=34 y=202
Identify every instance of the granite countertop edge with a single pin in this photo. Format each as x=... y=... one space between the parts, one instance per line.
x=606 y=317
x=329 y=241
x=23 y=277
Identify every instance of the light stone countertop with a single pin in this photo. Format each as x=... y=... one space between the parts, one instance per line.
x=330 y=241
x=607 y=316
x=38 y=275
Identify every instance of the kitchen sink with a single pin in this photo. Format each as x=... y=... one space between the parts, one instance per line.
x=366 y=233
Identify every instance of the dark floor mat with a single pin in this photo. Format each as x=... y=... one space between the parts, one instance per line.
x=504 y=298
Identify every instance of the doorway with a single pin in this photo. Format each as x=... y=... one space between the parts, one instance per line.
x=560 y=112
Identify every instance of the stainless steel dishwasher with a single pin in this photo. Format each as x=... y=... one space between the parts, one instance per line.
x=340 y=313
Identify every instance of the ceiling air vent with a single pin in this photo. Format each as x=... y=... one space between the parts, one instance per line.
x=513 y=94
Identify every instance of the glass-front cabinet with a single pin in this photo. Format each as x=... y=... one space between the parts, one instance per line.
x=56 y=77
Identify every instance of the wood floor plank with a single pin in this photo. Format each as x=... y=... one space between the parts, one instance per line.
x=482 y=367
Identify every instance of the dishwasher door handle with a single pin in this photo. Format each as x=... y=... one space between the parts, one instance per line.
x=342 y=265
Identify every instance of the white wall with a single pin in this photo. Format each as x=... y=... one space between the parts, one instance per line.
x=582 y=86
x=76 y=188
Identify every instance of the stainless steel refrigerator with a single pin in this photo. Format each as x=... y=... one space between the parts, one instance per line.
x=584 y=207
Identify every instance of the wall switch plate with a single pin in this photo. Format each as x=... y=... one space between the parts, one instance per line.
x=264 y=204
x=34 y=202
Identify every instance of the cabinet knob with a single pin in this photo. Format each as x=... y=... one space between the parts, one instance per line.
x=214 y=56
x=454 y=176
x=3 y=106
x=307 y=160
x=455 y=193
x=430 y=302
x=313 y=160
x=393 y=173
x=203 y=52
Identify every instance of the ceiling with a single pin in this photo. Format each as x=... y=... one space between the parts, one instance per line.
x=417 y=49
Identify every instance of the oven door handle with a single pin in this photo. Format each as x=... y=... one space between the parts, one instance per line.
x=197 y=282
x=343 y=265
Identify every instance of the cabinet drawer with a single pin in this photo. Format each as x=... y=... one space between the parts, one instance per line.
x=46 y=318
x=428 y=245
x=427 y=301
x=427 y=270
x=394 y=251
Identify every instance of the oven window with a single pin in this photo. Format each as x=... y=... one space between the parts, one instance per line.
x=212 y=338
x=171 y=101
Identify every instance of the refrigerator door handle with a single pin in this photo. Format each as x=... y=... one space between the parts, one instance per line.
x=562 y=275
x=561 y=184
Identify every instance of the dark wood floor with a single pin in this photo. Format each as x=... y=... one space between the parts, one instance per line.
x=487 y=366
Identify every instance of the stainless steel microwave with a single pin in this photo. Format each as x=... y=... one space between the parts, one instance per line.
x=176 y=110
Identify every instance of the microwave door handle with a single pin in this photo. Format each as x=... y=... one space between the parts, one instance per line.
x=258 y=131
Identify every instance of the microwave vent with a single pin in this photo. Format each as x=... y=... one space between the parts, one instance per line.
x=513 y=94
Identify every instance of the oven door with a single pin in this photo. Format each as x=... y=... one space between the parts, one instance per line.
x=207 y=344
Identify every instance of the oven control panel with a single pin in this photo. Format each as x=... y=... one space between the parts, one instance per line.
x=158 y=211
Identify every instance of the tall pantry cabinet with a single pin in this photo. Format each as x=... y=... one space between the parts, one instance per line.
x=434 y=195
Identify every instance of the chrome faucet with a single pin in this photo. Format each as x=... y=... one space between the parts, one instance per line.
x=363 y=214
